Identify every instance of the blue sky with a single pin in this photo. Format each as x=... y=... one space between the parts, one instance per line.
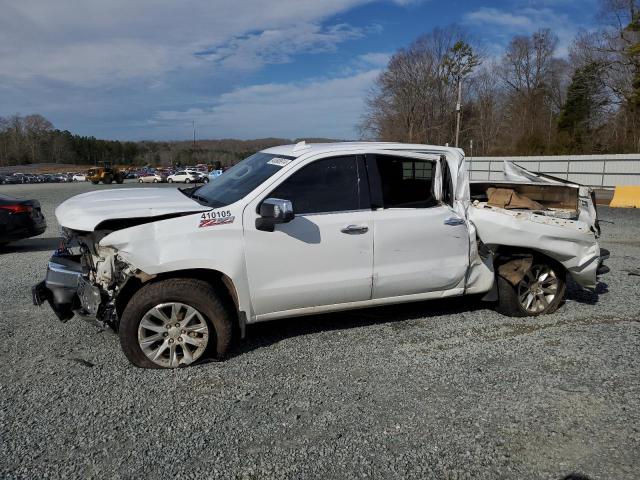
x=145 y=69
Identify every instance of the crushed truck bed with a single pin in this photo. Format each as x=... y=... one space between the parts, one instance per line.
x=571 y=242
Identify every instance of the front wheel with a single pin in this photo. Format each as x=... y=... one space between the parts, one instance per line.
x=540 y=291
x=170 y=180
x=186 y=180
x=140 y=181
x=173 y=322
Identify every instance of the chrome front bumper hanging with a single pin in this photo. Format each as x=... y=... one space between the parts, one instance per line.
x=69 y=293
x=59 y=287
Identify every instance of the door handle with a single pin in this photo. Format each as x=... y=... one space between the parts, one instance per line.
x=453 y=221
x=351 y=229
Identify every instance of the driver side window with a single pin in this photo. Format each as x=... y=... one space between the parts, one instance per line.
x=328 y=185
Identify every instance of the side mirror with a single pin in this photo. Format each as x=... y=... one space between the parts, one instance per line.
x=274 y=211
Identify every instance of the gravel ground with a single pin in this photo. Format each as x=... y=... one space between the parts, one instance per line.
x=445 y=389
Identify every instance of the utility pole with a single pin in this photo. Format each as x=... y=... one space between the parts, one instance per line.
x=458 y=110
x=461 y=62
x=470 y=159
x=193 y=149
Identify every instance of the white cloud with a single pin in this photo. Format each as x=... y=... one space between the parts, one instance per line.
x=275 y=46
x=88 y=63
x=376 y=59
x=95 y=42
x=317 y=108
x=498 y=17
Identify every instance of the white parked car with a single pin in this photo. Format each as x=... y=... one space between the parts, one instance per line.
x=183 y=176
x=291 y=231
x=201 y=177
x=79 y=177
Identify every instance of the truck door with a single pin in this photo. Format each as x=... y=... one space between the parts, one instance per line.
x=421 y=244
x=324 y=256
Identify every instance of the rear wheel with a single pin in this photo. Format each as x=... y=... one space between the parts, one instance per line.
x=540 y=291
x=107 y=180
x=186 y=180
x=139 y=180
x=170 y=180
x=95 y=182
x=173 y=323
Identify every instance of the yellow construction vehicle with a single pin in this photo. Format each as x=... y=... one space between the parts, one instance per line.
x=105 y=173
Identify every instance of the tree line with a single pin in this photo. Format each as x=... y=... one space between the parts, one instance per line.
x=33 y=139
x=527 y=101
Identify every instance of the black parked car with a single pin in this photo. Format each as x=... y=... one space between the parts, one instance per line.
x=20 y=219
x=12 y=179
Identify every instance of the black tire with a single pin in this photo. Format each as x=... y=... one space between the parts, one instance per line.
x=509 y=295
x=107 y=180
x=94 y=182
x=196 y=293
x=119 y=180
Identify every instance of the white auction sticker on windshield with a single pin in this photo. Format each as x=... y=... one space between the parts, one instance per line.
x=280 y=162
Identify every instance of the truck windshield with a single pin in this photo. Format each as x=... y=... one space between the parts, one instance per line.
x=241 y=179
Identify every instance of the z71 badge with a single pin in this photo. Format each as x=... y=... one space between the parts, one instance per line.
x=221 y=217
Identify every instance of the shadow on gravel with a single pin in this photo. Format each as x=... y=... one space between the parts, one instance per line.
x=31 y=245
x=263 y=334
x=577 y=294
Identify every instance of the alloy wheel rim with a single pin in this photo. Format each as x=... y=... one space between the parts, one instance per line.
x=538 y=288
x=173 y=334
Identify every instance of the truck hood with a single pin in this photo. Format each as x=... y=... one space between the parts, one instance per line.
x=88 y=210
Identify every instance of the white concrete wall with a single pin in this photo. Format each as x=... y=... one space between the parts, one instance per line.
x=594 y=170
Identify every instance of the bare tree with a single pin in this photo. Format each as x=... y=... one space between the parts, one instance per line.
x=36 y=131
x=413 y=98
x=486 y=115
x=529 y=71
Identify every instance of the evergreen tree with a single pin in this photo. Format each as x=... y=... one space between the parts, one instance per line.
x=578 y=116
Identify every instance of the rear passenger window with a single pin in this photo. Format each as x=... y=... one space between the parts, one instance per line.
x=329 y=185
x=406 y=182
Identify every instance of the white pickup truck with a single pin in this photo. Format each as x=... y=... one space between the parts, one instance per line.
x=304 y=229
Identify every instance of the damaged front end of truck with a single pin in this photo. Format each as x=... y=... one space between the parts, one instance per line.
x=84 y=279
